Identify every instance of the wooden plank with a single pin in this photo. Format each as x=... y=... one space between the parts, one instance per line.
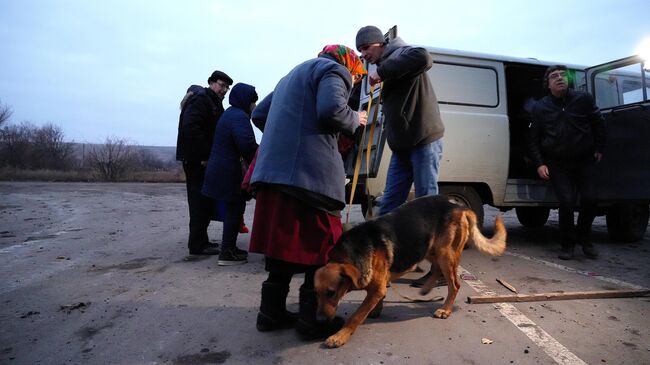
x=558 y=296
x=507 y=285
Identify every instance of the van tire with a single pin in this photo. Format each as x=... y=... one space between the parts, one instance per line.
x=465 y=196
x=532 y=217
x=627 y=222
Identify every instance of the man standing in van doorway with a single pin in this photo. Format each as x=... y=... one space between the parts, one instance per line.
x=414 y=128
x=567 y=137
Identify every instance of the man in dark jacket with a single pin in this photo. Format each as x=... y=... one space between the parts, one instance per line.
x=196 y=126
x=567 y=136
x=414 y=128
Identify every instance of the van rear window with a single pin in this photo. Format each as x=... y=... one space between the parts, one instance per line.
x=465 y=84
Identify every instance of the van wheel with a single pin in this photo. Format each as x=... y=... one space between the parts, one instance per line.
x=465 y=196
x=627 y=222
x=532 y=217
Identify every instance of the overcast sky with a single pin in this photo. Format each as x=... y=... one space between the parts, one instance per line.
x=120 y=68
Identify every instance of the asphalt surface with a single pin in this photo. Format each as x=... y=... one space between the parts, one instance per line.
x=99 y=274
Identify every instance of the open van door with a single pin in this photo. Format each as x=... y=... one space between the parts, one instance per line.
x=622 y=89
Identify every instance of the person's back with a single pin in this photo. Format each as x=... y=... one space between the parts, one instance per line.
x=233 y=139
x=311 y=121
x=299 y=182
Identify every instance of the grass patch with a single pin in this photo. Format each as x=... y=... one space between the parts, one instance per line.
x=85 y=175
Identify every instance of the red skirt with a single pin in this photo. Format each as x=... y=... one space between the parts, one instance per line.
x=287 y=229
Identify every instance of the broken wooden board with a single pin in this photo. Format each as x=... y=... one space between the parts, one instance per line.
x=558 y=296
x=507 y=285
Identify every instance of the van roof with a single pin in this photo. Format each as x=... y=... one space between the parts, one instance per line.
x=500 y=58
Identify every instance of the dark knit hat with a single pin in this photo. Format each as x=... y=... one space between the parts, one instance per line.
x=369 y=35
x=218 y=75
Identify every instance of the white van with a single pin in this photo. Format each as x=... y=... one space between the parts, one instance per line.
x=482 y=101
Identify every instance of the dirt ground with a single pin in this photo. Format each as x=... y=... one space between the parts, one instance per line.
x=99 y=274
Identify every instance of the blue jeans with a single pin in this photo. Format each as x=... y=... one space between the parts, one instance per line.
x=419 y=166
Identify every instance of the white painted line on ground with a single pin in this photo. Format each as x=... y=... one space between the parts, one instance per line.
x=541 y=338
x=572 y=270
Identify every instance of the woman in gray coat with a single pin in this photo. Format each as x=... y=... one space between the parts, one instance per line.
x=300 y=180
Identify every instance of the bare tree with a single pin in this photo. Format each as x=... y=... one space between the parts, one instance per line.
x=16 y=145
x=112 y=160
x=5 y=113
x=49 y=149
x=148 y=161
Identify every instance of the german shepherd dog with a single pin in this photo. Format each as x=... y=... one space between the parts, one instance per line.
x=372 y=254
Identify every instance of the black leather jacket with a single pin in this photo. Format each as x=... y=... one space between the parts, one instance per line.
x=566 y=129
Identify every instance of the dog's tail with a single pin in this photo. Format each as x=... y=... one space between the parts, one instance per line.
x=494 y=246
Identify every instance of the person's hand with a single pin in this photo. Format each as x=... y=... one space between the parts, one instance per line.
x=204 y=163
x=363 y=117
x=542 y=171
x=374 y=78
x=598 y=156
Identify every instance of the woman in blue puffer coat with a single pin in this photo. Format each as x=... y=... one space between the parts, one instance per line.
x=233 y=140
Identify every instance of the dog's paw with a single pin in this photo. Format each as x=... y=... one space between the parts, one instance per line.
x=425 y=290
x=441 y=313
x=335 y=340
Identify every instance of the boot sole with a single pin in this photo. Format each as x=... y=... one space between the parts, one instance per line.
x=231 y=263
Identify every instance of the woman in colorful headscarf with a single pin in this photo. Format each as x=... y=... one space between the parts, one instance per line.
x=299 y=181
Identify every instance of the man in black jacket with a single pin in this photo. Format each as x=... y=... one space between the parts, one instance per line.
x=196 y=126
x=567 y=137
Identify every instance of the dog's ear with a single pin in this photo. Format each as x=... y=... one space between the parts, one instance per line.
x=352 y=273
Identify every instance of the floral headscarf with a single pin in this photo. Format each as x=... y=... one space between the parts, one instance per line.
x=346 y=57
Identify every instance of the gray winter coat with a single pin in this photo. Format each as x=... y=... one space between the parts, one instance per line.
x=299 y=148
x=410 y=104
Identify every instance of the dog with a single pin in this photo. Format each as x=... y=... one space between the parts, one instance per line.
x=372 y=254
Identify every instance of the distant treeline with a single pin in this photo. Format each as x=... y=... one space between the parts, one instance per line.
x=40 y=153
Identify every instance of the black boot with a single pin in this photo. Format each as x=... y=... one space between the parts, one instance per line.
x=584 y=235
x=567 y=251
x=589 y=250
x=308 y=327
x=273 y=314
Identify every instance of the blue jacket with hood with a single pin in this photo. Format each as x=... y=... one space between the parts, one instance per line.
x=233 y=138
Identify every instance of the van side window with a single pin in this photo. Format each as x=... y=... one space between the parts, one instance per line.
x=621 y=86
x=465 y=84
x=579 y=80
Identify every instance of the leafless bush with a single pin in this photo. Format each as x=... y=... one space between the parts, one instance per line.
x=113 y=160
x=148 y=161
x=26 y=146
x=49 y=149
x=16 y=145
x=5 y=113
